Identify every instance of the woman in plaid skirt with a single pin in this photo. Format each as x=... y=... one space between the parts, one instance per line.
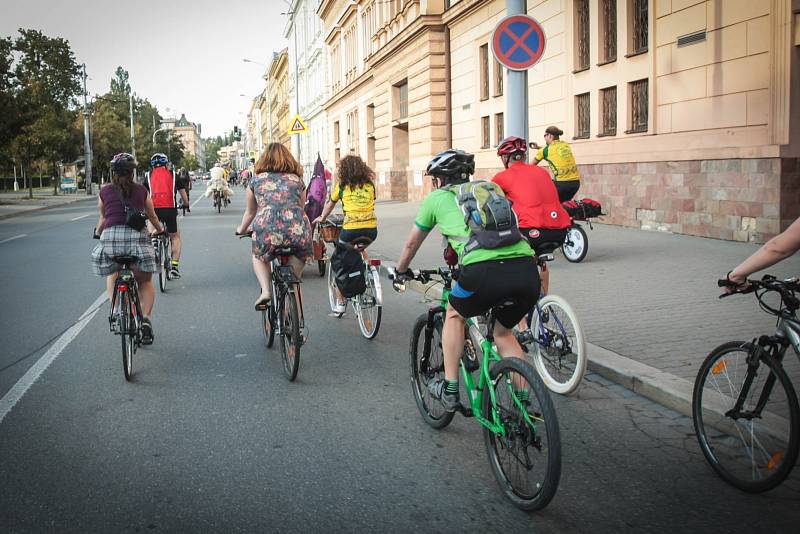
x=118 y=239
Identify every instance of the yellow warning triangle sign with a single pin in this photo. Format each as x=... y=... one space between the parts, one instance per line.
x=298 y=126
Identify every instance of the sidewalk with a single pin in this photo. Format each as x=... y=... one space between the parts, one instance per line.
x=14 y=203
x=647 y=301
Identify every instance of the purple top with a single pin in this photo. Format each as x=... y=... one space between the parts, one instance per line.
x=114 y=209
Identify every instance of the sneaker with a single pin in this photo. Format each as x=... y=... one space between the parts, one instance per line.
x=339 y=308
x=450 y=401
x=147 y=331
x=174 y=273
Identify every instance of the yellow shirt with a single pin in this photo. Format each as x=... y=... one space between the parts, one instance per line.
x=358 y=205
x=558 y=155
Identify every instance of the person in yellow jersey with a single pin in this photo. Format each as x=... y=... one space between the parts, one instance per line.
x=558 y=155
x=355 y=188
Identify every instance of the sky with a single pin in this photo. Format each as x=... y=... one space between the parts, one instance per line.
x=185 y=55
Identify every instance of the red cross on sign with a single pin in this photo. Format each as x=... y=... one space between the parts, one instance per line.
x=518 y=42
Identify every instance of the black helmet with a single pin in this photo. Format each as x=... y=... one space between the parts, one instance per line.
x=123 y=163
x=452 y=165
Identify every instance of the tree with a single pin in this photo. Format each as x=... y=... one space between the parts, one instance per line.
x=212 y=145
x=8 y=108
x=119 y=84
x=190 y=162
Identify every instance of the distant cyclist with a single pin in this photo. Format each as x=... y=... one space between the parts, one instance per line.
x=163 y=186
x=488 y=276
x=542 y=219
x=356 y=190
x=558 y=155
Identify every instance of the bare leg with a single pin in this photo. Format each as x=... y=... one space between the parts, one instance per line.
x=176 y=245
x=452 y=342
x=110 y=279
x=147 y=292
x=507 y=344
x=263 y=273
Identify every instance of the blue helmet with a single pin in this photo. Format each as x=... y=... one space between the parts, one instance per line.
x=159 y=160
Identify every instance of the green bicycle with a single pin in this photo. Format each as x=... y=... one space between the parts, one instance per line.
x=508 y=399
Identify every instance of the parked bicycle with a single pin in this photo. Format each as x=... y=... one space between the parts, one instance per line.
x=163 y=247
x=125 y=318
x=509 y=400
x=744 y=407
x=367 y=306
x=555 y=342
x=284 y=316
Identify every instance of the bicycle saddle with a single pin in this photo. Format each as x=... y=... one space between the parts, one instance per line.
x=283 y=251
x=126 y=260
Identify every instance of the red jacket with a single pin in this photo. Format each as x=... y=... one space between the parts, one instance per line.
x=534 y=196
x=162 y=188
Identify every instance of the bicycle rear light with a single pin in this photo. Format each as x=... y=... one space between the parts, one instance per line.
x=123 y=288
x=374 y=263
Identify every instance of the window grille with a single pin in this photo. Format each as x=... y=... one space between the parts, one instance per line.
x=402 y=100
x=639 y=26
x=582 y=34
x=608 y=98
x=609 y=30
x=639 y=106
x=582 y=116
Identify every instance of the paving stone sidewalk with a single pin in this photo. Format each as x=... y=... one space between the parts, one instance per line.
x=648 y=297
x=14 y=203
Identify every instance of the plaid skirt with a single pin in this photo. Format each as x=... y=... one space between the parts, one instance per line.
x=123 y=240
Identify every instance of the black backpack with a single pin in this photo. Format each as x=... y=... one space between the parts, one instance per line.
x=348 y=266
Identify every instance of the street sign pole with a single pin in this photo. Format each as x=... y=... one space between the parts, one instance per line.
x=516 y=122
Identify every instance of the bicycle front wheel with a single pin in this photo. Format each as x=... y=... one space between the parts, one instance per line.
x=290 y=335
x=559 y=347
x=755 y=448
x=267 y=322
x=127 y=329
x=526 y=457
x=369 y=307
x=427 y=365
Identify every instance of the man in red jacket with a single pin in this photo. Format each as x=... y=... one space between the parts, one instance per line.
x=163 y=187
x=542 y=219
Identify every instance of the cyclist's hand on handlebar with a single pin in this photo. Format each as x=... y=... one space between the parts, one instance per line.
x=733 y=285
x=399 y=279
x=317 y=220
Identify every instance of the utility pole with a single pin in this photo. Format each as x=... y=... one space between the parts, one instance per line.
x=517 y=96
x=87 y=144
x=133 y=137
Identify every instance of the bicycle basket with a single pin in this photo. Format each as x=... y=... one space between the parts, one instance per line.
x=331 y=229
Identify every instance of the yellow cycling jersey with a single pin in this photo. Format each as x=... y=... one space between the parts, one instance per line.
x=358 y=205
x=558 y=155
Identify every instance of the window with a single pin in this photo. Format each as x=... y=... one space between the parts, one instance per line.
x=582 y=116
x=371 y=120
x=608 y=111
x=639 y=105
x=485 y=142
x=498 y=78
x=582 y=34
x=638 y=26
x=483 y=58
x=352 y=132
x=336 y=133
x=400 y=97
x=608 y=30
x=499 y=128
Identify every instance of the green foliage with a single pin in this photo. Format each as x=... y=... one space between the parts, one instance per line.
x=119 y=84
x=190 y=162
x=212 y=145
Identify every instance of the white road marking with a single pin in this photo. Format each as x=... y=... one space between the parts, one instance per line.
x=13 y=238
x=28 y=379
x=198 y=200
x=80 y=217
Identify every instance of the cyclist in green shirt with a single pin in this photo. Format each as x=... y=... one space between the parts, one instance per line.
x=489 y=277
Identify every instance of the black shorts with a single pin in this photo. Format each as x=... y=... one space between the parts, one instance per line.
x=360 y=234
x=170 y=218
x=538 y=237
x=567 y=190
x=482 y=286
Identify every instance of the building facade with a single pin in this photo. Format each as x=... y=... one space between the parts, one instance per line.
x=311 y=90
x=278 y=90
x=682 y=114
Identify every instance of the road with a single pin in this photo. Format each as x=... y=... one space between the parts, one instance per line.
x=210 y=437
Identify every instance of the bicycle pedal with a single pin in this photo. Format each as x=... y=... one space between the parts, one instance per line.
x=463 y=410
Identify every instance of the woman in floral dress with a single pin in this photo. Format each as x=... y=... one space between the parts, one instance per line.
x=275 y=200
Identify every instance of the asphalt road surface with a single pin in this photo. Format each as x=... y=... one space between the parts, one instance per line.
x=210 y=436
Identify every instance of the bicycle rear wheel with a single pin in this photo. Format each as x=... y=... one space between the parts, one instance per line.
x=368 y=305
x=127 y=329
x=751 y=451
x=427 y=366
x=559 y=348
x=332 y=290
x=290 y=335
x=576 y=245
x=526 y=461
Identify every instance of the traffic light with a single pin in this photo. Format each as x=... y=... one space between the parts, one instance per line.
x=237 y=135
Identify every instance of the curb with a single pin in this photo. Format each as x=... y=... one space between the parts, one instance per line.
x=659 y=386
x=47 y=207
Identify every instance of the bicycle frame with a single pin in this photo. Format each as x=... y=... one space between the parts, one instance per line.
x=126 y=282
x=284 y=282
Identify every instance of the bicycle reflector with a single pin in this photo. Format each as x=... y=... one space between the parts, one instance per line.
x=374 y=263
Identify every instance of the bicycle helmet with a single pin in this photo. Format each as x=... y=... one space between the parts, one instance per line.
x=123 y=163
x=159 y=160
x=452 y=165
x=512 y=145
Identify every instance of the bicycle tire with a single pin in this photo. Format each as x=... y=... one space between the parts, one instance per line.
x=162 y=272
x=431 y=410
x=576 y=246
x=332 y=290
x=783 y=445
x=127 y=334
x=267 y=323
x=521 y=433
x=290 y=335
x=552 y=339
x=369 y=326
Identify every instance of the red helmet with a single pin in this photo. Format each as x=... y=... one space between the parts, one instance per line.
x=512 y=145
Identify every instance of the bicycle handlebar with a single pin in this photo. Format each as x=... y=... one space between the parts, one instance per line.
x=246 y=234
x=768 y=283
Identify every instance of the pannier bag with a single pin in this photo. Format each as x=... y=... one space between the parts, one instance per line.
x=583 y=209
x=348 y=268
